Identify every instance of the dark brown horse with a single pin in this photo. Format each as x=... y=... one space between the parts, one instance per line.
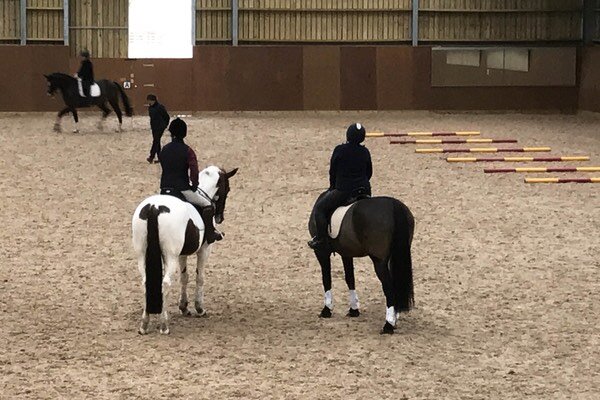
x=382 y=229
x=68 y=87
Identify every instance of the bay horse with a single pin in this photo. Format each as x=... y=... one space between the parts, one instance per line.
x=167 y=230
x=69 y=89
x=381 y=228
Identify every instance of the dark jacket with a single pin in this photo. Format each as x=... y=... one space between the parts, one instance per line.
x=86 y=71
x=350 y=167
x=176 y=159
x=159 y=118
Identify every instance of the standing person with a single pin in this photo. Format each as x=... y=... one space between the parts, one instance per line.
x=179 y=168
x=350 y=173
x=159 y=121
x=86 y=72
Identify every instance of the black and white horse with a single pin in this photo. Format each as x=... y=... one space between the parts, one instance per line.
x=382 y=229
x=167 y=230
x=69 y=88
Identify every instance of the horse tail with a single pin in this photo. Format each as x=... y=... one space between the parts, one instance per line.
x=126 y=104
x=400 y=263
x=154 y=302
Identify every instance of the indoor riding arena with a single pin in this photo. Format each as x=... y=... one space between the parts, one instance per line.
x=483 y=119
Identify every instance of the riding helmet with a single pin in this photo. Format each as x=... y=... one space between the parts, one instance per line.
x=85 y=53
x=356 y=133
x=178 y=128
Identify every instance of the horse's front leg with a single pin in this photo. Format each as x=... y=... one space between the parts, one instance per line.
x=76 y=118
x=57 y=127
x=203 y=254
x=353 y=311
x=185 y=277
x=325 y=262
x=171 y=266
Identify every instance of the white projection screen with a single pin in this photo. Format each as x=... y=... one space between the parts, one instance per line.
x=160 y=29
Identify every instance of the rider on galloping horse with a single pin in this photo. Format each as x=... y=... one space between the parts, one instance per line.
x=176 y=159
x=349 y=174
x=86 y=72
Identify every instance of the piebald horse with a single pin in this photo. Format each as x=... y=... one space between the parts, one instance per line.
x=167 y=230
x=381 y=228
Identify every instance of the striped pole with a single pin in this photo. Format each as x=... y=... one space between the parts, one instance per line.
x=397 y=134
x=562 y=180
x=486 y=150
x=518 y=159
x=451 y=141
x=541 y=169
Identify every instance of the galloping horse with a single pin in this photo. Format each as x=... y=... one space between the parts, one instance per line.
x=167 y=229
x=68 y=86
x=381 y=228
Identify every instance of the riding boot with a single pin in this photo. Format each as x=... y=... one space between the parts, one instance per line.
x=212 y=234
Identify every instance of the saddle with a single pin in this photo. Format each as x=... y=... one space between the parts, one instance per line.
x=94 y=89
x=335 y=222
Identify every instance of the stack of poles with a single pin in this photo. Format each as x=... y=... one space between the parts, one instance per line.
x=494 y=150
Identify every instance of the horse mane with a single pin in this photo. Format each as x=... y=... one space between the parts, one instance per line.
x=61 y=76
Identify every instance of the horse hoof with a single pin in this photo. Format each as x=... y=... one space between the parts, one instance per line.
x=185 y=312
x=164 y=331
x=75 y=130
x=201 y=312
x=388 y=329
x=325 y=313
x=353 y=313
x=142 y=331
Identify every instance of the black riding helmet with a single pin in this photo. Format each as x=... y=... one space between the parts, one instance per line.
x=356 y=133
x=84 y=53
x=178 y=128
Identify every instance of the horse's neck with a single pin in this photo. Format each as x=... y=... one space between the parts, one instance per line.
x=208 y=187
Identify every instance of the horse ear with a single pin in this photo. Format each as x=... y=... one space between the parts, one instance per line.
x=232 y=173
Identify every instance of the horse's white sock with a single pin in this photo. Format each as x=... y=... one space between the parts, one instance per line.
x=353 y=300
x=329 y=299
x=390 y=316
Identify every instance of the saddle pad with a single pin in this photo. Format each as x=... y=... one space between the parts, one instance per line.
x=336 y=221
x=94 y=89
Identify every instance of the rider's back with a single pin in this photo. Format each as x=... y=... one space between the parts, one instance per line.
x=174 y=163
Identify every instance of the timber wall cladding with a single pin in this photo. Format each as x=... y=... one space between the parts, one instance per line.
x=597 y=35
x=10 y=23
x=500 y=21
x=45 y=21
x=101 y=26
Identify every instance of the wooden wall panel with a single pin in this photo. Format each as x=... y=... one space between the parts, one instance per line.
x=213 y=21
x=10 y=22
x=45 y=21
x=321 y=77
x=358 y=78
x=99 y=26
x=500 y=21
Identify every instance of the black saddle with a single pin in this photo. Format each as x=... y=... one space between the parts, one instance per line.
x=174 y=193
x=359 y=194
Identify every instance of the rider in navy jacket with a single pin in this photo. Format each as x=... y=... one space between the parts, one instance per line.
x=349 y=174
x=179 y=168
x=86 y=72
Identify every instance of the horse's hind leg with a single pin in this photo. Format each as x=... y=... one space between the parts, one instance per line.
x=325 y=262
x=114 y=103
x=185 y=277
x=105 y=112
x=171 y=266
x=61 y=113
x=145 y=317
x=383 y=273
x=353 y=311
x=203 y=254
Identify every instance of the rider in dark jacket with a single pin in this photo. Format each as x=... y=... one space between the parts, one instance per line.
x=86 y=72
x=179 y=168
x=349 y=174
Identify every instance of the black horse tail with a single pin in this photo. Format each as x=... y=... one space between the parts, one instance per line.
x=400 y=263
x=126 y=104
x=154 y=302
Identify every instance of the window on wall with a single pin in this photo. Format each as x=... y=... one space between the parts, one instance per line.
x=508 y=59
x=469 y=58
